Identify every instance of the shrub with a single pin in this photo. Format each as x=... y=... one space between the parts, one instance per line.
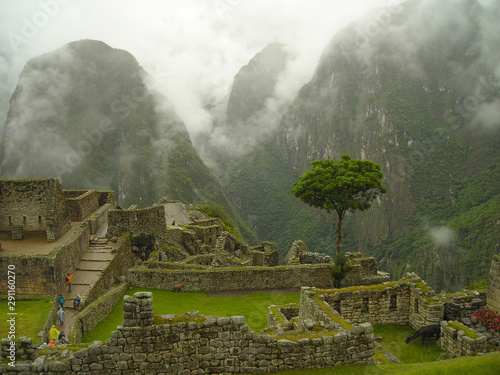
x=488 y=318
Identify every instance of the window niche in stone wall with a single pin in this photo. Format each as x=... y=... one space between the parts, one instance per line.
x=364 y=306
x=416 y=305
x=393 y=302
x=336 y=306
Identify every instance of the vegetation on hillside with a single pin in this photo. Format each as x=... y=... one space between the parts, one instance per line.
x=408 y=110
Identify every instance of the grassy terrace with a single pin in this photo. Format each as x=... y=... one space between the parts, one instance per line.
x=254 y=308
x=484 y=365
x=30 y=319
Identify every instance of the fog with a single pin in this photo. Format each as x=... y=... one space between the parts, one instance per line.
x=191 y=48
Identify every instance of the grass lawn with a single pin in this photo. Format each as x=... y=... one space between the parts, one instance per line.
x=30 y=319
x=254 y=308
x=481 y=365
x=394 y=341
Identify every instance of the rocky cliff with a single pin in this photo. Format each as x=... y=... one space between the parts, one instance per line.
x=85 y=115
x=418 y=95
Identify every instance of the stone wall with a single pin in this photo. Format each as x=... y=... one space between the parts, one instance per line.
x=122 y=261
x=265 y=254
x=206 y=231
x=95 y=312
x=314 y=258
x=149 y=220
x=34 y=274
x=454 y=339
x=236 y=278
x=460 y=307
x=21 y=350
x=424 y=310
x=195 y=345
x=99 y=217
x=405 y=302
x=315 y=312
x=81 y=203
x=493 y=299
x=34 y=205
x=51 y=320
x=387 y=305
x=106 y=196
x=45 y=275
x=279 y=317
x=67 y=256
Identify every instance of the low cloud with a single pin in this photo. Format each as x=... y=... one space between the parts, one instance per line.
x=442 y=236
x=192 y=48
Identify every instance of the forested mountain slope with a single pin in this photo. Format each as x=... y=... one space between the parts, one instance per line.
x=420 y=96
x=84 y=114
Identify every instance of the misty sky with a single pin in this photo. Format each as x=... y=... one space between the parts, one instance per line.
x=192 y=48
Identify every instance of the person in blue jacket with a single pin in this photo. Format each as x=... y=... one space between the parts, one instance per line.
x=61 y=301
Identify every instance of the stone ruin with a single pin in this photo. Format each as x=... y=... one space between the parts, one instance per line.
x=329 y=327
x=42 y=206
x=173 y=232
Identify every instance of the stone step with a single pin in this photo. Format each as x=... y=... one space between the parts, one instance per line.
x=90 y=265
x=98 y=256
x=89 y=277
x=99 y=250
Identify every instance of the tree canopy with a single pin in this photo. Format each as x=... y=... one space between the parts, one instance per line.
x=344 y=186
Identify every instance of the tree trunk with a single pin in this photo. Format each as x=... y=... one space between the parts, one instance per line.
x=339 y=233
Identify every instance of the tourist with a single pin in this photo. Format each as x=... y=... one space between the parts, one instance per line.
x=69 y=279
x=52 y=343
x=61 y=316
x=53 y=333
x=77 y=302
x=61 y=301
x=62 y=338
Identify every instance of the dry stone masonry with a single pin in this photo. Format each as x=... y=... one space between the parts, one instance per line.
x=33 y=205
x=494 y=284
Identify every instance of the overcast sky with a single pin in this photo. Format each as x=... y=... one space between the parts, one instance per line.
x=193 y=48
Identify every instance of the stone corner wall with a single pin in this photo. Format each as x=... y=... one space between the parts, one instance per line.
x=96 y=312
x=150 y=220
x=493 y=296
x=33 y=205
x=58 y=215
x=123 y=260
x=457 y=342
x=81 y=203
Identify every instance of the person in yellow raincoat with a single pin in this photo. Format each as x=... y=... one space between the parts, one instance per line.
x=53 y=333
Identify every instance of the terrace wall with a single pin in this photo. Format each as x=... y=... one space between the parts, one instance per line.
x=242 y=278
x=456 y=341
x=124 y=259
x=45 y=275
x=149 y=220
x=197 y=345
x=95 y=312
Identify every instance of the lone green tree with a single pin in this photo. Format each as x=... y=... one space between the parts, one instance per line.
x=345 y=186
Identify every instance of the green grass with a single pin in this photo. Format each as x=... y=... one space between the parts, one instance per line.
x=483 y=365
x=254 y=308
x=394 y=341
x=30 y=319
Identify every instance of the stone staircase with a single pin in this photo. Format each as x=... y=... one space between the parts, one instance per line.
x=93 y=262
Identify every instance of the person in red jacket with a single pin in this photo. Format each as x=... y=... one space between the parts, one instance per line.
x=69 y=278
